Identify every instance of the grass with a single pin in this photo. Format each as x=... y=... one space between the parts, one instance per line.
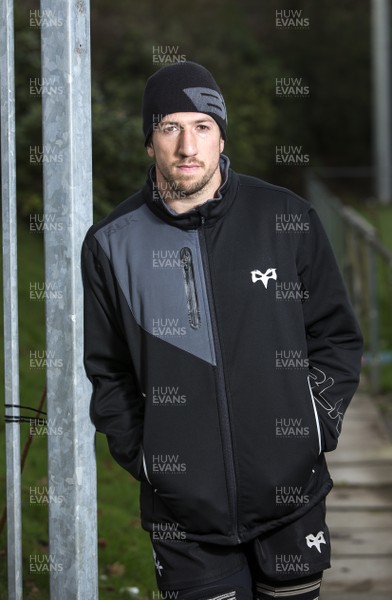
x=124 y=549
x=380 y=216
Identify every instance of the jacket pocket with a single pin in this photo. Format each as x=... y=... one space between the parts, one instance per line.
x=316 y=417
x=145 y=468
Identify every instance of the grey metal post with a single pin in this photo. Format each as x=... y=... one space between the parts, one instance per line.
x=10 y=291
x=68 y=211
x=373 y=322
x=381 y=23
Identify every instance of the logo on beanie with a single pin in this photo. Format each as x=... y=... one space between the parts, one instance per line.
x=207 y=100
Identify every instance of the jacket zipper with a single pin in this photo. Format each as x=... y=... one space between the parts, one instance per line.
x=223 y=407
x=190 y=288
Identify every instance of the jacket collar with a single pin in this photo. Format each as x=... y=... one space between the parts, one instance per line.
x=207 y=213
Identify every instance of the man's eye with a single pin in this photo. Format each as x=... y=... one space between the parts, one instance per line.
x=203 y=127
x=169 y=128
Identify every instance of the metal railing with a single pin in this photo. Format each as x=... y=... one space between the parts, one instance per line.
x=366 y=265
x=67 y=203
x=10 y=301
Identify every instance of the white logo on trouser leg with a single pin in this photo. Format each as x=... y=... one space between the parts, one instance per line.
x=315 y=540
x=158 y=565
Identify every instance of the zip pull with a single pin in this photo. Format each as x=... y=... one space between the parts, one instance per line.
x=202 y=219
x=186 y=258
x=190 y=288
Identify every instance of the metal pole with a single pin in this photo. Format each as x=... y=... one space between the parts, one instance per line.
x=381 y=23
x=374 y=345
x=68 y=210
x=10 y=291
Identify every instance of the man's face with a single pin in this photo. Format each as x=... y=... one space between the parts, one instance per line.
x=186 y=148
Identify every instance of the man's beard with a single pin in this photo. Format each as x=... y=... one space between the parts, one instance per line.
x=178 y=189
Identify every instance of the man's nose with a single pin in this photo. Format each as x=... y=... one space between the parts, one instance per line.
x=187 y=143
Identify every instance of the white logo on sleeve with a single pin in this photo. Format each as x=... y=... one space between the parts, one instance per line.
x=264 y=277
x=316 y=540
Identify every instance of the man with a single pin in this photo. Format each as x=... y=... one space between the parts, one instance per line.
x=223 y=353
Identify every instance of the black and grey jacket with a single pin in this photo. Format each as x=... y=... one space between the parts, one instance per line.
x=223 y=353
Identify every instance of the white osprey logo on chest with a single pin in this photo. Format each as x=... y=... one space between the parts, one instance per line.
x=264 y=277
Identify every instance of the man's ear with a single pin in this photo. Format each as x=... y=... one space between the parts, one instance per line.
x=150 y=149
x=221 y=144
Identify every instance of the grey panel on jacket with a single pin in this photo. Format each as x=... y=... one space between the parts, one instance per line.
x=145 y=254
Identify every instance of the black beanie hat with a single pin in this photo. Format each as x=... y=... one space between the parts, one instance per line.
x=182 y=87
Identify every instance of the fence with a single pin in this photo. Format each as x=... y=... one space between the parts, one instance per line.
x=366 y=265
x=65 y=43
